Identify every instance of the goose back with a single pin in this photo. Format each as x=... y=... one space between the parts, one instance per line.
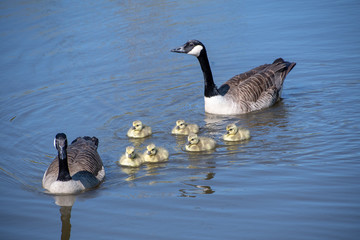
x=84 y=163
x=267 y=78
x=256 y=89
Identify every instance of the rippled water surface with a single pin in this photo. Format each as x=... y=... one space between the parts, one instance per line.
x=91 y=68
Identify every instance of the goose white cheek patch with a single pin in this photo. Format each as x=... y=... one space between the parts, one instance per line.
x=196 y=50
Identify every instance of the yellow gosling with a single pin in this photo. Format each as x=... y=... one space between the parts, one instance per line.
x=235 y=133
x=155 y=154
x=131 y=158
x=183 y=128
x=196 y=144
x=138 y=130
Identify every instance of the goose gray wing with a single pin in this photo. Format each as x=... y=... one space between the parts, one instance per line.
x=83 y=156
x=262 y=84
x=235 y=80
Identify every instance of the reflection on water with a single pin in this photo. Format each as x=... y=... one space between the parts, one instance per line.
x=65 y=202
x=193 y=190
x=65 y=212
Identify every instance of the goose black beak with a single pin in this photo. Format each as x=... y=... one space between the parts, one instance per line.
x=179 y=50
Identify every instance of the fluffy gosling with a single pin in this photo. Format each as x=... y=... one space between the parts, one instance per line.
x=131 y=158
x=183 y=128
x=196 y=143
x=235 y=133
x=155 y=154
x=138 y=130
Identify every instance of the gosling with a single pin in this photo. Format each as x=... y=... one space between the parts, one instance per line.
x=138 y=130
x=196 y=144
x=183 y=128
x=131 y=158
x=235 y=133
x=155 y=154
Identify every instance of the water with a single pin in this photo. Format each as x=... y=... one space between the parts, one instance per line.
x=92 y=68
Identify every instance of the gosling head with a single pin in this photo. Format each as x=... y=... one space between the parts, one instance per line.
x=60 y=143
x=193 y=139
x=130 y=152
x=180 y=124
x=231 y=129
x=137 y=125
x=151 y=150
x=191 y=47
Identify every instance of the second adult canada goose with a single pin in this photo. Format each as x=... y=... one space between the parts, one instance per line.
x=139 y=130
x=196 y=143
x=184 y=128
x=77 y=167
x=256 y=89
x=235 y=133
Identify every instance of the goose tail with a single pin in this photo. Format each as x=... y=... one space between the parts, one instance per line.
x=284 y=66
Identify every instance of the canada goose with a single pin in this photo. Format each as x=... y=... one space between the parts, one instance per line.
x=155 y=154
x=250 y=91
x=235 y=133
x=196 y=143
x=76 y=168
x=138 y=130
x=131 y=158
x=183 y=128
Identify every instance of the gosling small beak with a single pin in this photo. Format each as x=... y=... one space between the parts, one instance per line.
x=179 y=50
x=148 y=152
x=133 y=128
x=177 y=128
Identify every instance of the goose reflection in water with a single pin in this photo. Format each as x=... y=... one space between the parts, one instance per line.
x=196 y=189
x=65 y=202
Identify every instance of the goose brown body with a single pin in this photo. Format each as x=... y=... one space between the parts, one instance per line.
x=253 y=90
x=84 y=164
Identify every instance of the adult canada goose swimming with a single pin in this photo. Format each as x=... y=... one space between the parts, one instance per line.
x=131 y=158
x=155 y=154
x=184 y=128
x=196 y=143
x=138 y=130
x=250 y=91
x=235 y=133
x=77 y=167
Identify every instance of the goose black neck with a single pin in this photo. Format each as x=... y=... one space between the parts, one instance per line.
x=64 y=173
x=210 y=87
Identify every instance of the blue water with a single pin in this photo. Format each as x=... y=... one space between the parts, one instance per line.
x=91 y=68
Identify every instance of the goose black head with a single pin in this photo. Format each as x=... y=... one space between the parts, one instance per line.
x=60 y=143
x=191 y=47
